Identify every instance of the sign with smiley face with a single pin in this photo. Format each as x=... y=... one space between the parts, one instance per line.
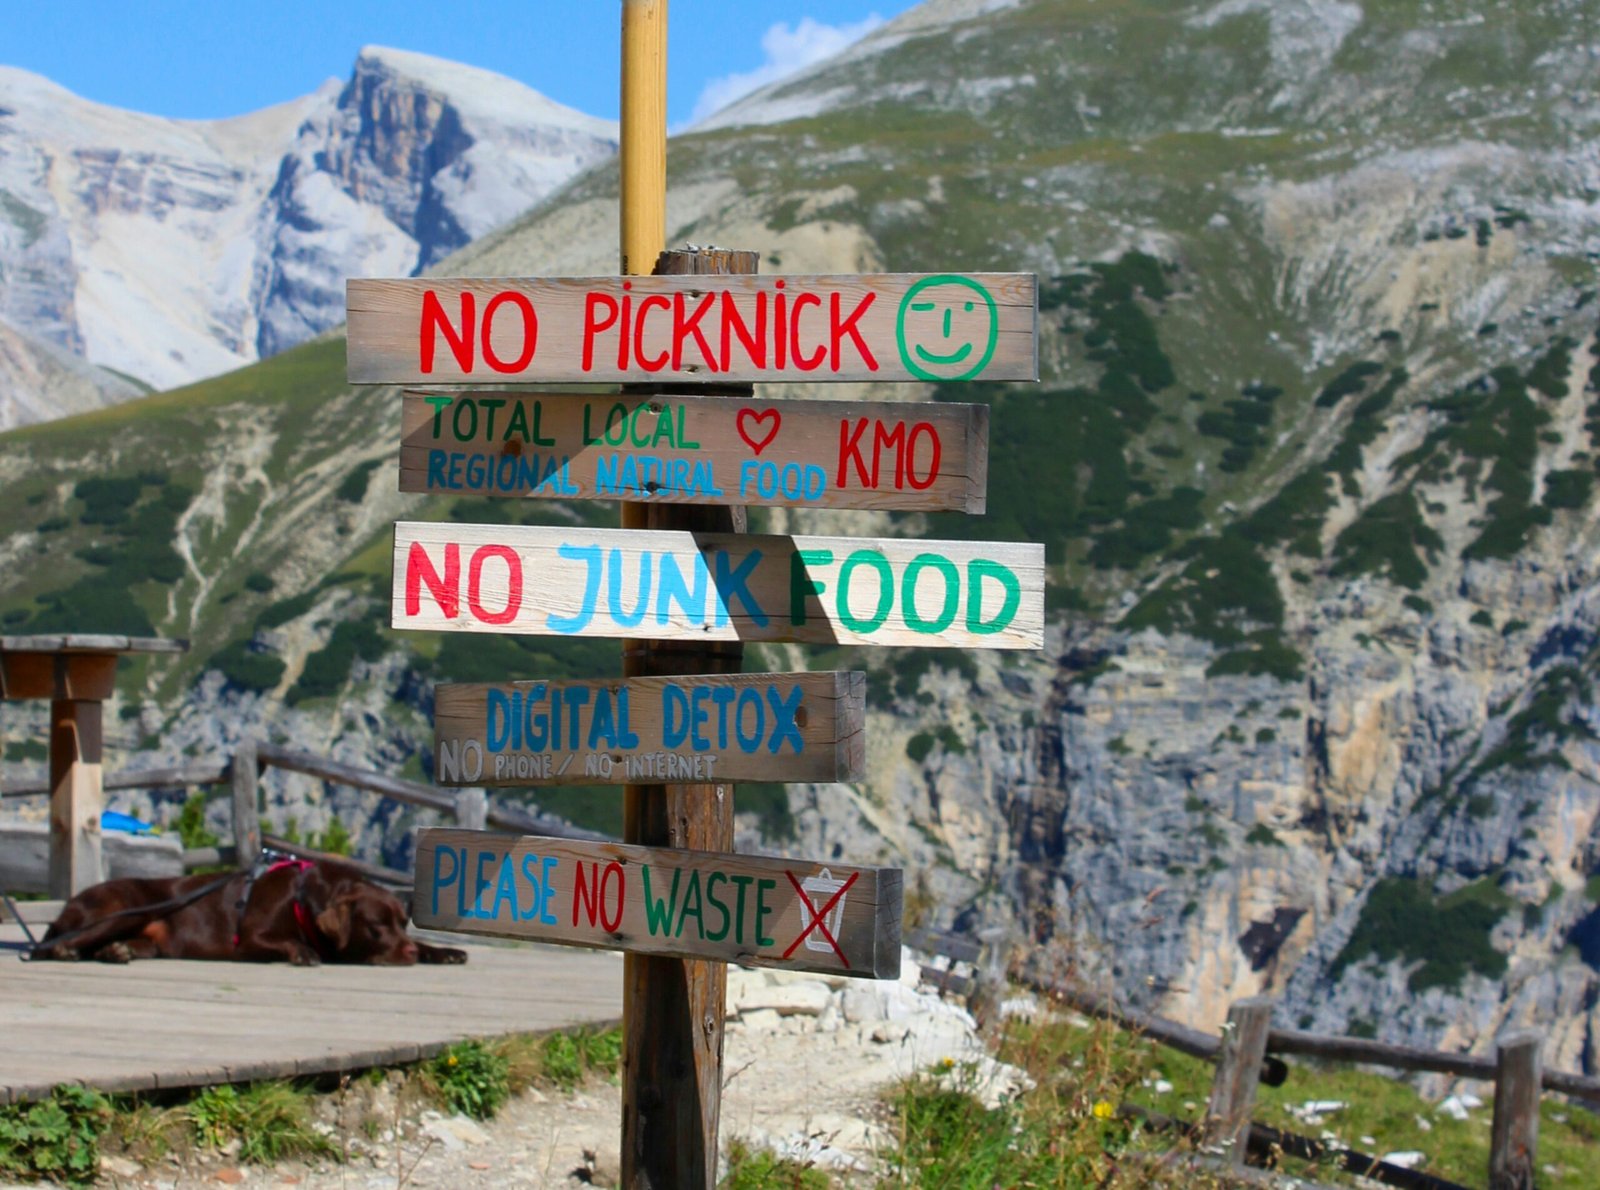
x=937 y=327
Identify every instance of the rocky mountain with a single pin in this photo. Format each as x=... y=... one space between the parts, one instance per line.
x=164 y=251
x=1313 y=461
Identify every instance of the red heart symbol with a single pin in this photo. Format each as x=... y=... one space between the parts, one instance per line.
x=769 y=415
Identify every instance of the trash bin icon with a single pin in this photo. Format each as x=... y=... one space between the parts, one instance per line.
x=818 y=890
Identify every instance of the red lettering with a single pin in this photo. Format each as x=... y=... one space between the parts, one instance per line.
x=623 y=338
x=446 y=591
x=806 y=363
x=922 y=427
x=591 y=303
x=780 y=339
x=612 y=869
x=685 y=325
x=754 y=341
x=435 y=321
x=655 y=301
x=513 y=583
x=896 y=439
x=591 y=896
x=837 y=329
x=850 y=448
x=530 y=331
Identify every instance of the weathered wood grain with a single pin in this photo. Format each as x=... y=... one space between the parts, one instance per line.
x=763 y=912
x=673 y=585
x=875 y=326
x=683 y=449
x=712 y=727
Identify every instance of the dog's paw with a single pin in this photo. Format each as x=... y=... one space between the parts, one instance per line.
x=115 y=952
x=443 y=954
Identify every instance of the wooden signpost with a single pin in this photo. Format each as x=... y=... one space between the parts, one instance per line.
x=673 y=448
x=885 y=326
x=662 y=585
x=728 y=727
x=793 y=914
x=682 y=723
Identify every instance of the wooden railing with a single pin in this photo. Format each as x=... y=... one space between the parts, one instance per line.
x=469 y=808
x=1244 y=1057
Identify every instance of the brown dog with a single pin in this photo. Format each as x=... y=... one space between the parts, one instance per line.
x=297 y=911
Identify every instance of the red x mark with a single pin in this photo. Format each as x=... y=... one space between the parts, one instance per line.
x=817 y=916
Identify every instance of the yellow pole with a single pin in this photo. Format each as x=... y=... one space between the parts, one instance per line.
x=644 y=133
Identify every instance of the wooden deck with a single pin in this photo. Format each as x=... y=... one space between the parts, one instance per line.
x=164 y=1024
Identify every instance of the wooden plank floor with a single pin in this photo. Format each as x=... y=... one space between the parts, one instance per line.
x=163 y=1024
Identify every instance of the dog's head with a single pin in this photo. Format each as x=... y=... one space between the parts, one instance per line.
x=364 y=924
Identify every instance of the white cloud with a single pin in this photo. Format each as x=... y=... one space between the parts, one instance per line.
x=788 y=50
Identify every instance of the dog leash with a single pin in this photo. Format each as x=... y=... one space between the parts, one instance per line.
x=161 y=909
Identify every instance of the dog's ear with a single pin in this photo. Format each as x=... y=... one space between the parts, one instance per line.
x=334 y=923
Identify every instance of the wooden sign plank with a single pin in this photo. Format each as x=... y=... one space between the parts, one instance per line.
x=764 y=912
x=667 y=585
x=875 y=326
x=709 y=727
x=697 y=450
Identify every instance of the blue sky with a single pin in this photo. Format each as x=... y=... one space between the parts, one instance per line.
x=203 y=60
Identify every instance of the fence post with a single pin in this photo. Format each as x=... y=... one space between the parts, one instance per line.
x=245 y=772
x=1515 y=1136
x=1233 y=1091
x=472 y=809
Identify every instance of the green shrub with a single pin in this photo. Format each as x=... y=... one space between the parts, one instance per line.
x=918 y=747
x=1448 y=936
x=567 y=1059
x=761 y=1169
x=271 y=1121
x=56 y=1138
x=470 y=1079
x=327 y=669
x=191 y=824
x=353 y=488
x=248 y=669
x=1262 y=835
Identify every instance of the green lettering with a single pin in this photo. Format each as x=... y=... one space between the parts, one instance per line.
x=801 y=585
x=711 y=899
x=440 y=404
x=738 y=928
x=658 y=913
x=885 y=591
x=588 y=438
x=538 y=413
x=908 y=594
x=762 y=911
x=664 y=429
x=491 y=404
x=977 y=570
x=691 y=893
x=683 y=439
x=518 y=422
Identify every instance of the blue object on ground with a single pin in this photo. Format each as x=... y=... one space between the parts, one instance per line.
x=110 y=820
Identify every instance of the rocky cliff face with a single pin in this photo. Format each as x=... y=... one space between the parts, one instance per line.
x=171 y=250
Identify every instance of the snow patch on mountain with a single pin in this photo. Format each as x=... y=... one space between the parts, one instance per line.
x=172 y=250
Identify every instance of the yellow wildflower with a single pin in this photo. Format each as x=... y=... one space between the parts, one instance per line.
x=1103 y=1110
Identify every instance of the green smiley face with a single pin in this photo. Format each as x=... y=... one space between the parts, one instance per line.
x=947 y=328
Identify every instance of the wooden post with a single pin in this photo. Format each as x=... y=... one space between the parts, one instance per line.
x=673 y=1009
x=1514 y=1140
x=472 y=809
x=76 y=797
x=643 y=148
x=1233 y=1091
x=245 y=774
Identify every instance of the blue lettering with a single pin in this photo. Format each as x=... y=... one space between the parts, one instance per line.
x=505 y=890
x=455 y=472
x=723 y=696
x=577 y=697
x=614 y=590
x=440 y=878
x=603 y=725
x=537 y=727
x=547 y=894
x=674 y=715
x=673 y=588
x=626 y=736
x=750 y=697
x=732 y=583
x=590 y=555
x=480 y=885
x=497 y=720
x=436 y=461
x=697 y=718
x=532 y=877
x=785 y=720
x=605 y=473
